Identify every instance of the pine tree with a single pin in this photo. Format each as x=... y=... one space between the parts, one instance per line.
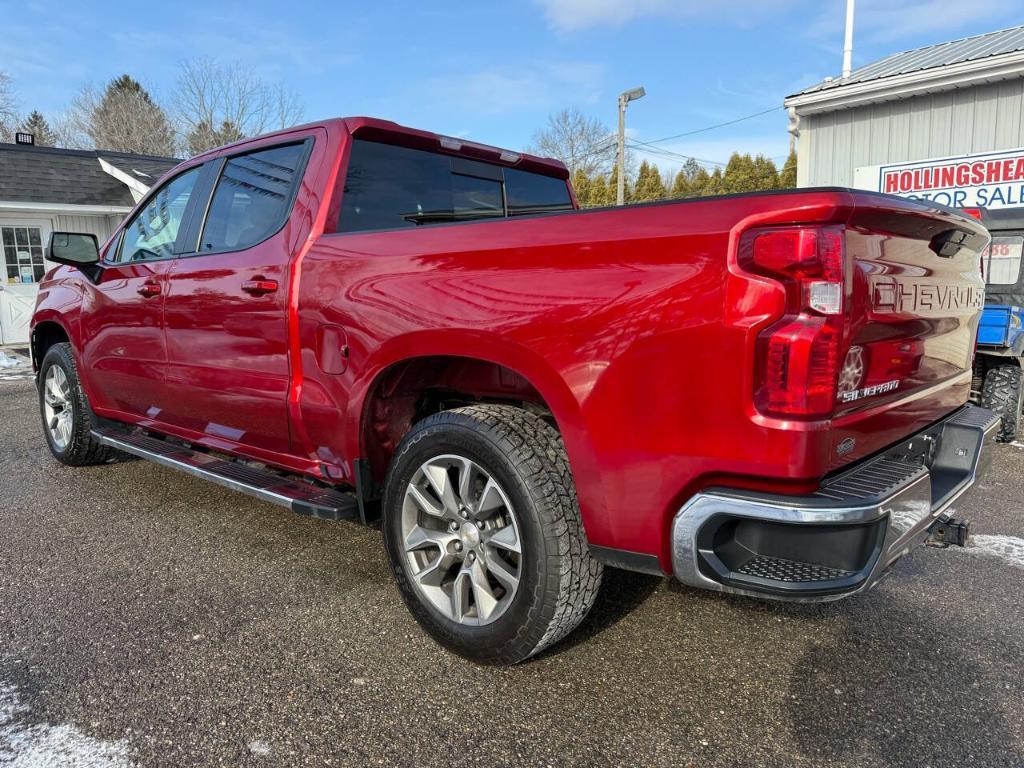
x=715 y=185
x=685 y=182
x=613 y=188
x=787 y=177
x=581 y=184
x=739 y=174
x=700 y=183
x=681 y=185
x=599 y=191
x=36 y=124
x=204 y=136
x=649 y=185
x=126 y=119
x=766 y=175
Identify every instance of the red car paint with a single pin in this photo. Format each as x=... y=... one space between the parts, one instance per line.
x=636 y=327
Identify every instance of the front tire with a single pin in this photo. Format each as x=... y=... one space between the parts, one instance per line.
x=1002 y=393
x=66 y=417
x=483 y=531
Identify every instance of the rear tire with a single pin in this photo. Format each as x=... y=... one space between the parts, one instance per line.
x=1002 y=393
x=500 y=602
x=65 y=412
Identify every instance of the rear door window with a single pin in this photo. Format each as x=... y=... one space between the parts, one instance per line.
x=1001 y=260
x=252 y=198
x=393 y=187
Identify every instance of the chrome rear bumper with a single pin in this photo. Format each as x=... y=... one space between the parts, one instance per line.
x=841 y=539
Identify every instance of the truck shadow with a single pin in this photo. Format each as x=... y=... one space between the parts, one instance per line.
x=620 y=594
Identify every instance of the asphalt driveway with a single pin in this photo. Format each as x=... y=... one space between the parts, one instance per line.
x=153 y=619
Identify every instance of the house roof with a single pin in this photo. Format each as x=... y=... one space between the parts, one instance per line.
x=966 y=49
x=31 y=174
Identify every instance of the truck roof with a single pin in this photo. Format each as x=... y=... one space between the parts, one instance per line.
x=375 y=129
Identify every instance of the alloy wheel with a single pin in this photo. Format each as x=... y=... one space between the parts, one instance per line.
x=57 y=407
x=461 y=540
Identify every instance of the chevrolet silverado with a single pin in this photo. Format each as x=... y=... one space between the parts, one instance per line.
x=763 y=394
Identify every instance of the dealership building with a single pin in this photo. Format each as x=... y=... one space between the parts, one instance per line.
x=943 y=123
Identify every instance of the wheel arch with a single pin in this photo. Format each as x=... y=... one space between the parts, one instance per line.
x=46 y=333
x=418 y=372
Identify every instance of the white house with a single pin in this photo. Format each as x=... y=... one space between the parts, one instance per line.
x=43 y=190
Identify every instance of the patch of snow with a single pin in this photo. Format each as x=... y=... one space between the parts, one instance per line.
x=260 y=748
x=9 y=361
x=1009 y=549
x=42 y=745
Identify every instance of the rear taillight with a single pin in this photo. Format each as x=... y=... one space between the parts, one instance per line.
x=799 y=357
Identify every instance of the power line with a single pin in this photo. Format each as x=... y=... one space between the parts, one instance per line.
x=669 y=155
x=712 y=127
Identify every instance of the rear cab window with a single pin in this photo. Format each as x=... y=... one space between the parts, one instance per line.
x=388 y=186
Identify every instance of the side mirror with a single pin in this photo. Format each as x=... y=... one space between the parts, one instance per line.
x=74 y=249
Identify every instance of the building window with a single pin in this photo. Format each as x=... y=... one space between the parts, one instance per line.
x=1001 y=260
x=23 y=254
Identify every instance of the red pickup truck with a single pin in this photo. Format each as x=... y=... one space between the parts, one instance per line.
x=762 y=394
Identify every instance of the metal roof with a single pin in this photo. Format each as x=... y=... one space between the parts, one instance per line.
x=984 y=46
x=30 y=174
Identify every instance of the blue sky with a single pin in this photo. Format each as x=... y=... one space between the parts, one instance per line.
x=491 y=71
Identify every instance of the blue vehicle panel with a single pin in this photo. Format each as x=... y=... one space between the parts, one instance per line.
x=995 y=329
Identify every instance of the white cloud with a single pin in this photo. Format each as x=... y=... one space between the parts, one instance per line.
x=883 y=21
x=570 y=15
x=500 y=90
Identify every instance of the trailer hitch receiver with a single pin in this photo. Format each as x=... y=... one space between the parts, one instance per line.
x=948 y=530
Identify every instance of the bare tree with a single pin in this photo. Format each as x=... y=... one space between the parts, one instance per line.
x=8 y=108
x=124 y=118
x=217 y=103
x=68 y=132
x=582 y=143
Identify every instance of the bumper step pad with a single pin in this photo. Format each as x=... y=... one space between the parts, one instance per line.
x=299 y=496
x=791 y=571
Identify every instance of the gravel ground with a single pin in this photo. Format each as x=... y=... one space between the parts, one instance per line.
x=150 y=618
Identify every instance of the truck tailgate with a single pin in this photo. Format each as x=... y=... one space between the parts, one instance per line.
x=915 y=301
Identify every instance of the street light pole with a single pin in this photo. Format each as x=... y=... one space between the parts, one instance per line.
x=624 y=99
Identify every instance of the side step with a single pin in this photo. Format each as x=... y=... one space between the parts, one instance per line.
x=303 y=498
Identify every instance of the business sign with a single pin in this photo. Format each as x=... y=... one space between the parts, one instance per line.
x=990 y=180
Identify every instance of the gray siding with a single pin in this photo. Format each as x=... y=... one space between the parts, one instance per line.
x=101 y=226
x=977 y=119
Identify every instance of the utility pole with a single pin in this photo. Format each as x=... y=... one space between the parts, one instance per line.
x=848 y=44
x=624 y=99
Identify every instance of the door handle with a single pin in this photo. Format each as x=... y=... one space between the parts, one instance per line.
x=149 y=289
x=259 y=286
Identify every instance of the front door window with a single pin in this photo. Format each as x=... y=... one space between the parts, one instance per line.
x=23 y=254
